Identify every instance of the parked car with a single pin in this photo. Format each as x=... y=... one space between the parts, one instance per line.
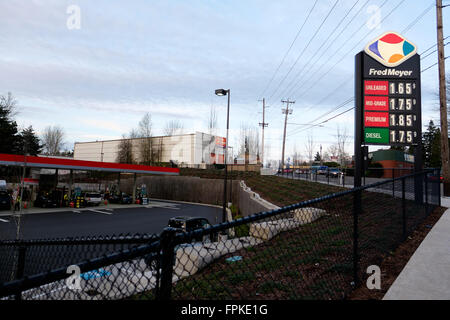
x=46 y=201
x=92 y=198
x=5 y=201
x=181 y=224
x=188 y=224
x=122 y=198
x=435 y=178
x=333 y=172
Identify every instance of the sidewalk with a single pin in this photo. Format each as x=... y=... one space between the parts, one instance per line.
x=426 y=276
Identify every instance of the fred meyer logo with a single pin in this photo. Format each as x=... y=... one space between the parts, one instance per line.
x=391 y=49
x=389 y=72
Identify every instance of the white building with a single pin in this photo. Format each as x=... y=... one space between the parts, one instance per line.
x=185 y=149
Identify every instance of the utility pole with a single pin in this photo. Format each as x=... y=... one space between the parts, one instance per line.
x=286 y=111
x=443 y=101
x=321 y=160
x=263 y=125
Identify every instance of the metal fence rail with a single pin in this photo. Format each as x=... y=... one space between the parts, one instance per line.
x=28 y=257
x=315 y=249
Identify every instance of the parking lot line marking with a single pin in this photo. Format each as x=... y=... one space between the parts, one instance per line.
x=93 y=210
x=158 y=203
x=165 y=207
x=3 y=220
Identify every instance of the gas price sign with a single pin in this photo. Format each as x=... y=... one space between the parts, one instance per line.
x=388 y=101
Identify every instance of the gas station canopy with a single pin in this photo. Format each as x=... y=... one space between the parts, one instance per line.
x=71 y=164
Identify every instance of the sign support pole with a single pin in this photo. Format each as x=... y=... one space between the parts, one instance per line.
x=358 y=120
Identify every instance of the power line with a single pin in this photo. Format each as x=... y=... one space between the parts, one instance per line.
x=347 y=53
x=306 y=47
x=287 y=52
x=421 y=58
x=311 y=124
x=433 y=46
x=321 y=46
x=414 y=22
x=340 y=106
x=339 y=35
x=433 y=65
x=418 y=18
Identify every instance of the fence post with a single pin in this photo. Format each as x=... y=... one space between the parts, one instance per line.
x=328 y=175
x=438 y=172
x=20 y=268
x=356 y=211
x=426 y=192
x=167 y=263
x=403 y=210
x=393 y=185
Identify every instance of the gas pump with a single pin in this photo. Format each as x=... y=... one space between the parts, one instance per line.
x=78 y=199
x=143 y=194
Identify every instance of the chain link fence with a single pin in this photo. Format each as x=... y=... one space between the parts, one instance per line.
x=316 y=249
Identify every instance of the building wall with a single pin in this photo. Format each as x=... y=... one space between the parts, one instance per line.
x=400 y=168
x=188 y=149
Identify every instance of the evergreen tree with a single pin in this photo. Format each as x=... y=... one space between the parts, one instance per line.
x=432 y=146
x=9 y=137
x=317 y=157
x=30 y=142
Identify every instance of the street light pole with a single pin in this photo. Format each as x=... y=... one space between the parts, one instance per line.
x=224 y=212
x=223 y=92
x=231 y=178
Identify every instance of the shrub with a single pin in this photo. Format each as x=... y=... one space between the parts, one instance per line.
x=242 y=230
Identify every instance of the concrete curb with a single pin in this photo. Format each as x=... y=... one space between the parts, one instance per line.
x=65 y=209
x=187 y=202
x=109 y=206
x=426 y=276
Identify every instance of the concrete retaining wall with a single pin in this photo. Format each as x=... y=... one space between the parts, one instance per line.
x=249 y=202
x=199 y=190
x=190 y=189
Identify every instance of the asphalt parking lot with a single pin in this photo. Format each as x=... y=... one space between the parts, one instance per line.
x=101 y=221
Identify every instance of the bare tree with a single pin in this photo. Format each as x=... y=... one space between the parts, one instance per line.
x=342 y=139
x=126 y=150
x=173 y=127
x=249 y=140
x=212 y=121
x=8 y=103
x=125 y=154
x=146 y=141
x=333 y=150
x=309 y=147
x=53 y=140
x=296 y=157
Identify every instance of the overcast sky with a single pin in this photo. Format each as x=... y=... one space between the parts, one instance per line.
x=167 y=58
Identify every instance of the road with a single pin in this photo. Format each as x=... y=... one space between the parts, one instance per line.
x=98 y=221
